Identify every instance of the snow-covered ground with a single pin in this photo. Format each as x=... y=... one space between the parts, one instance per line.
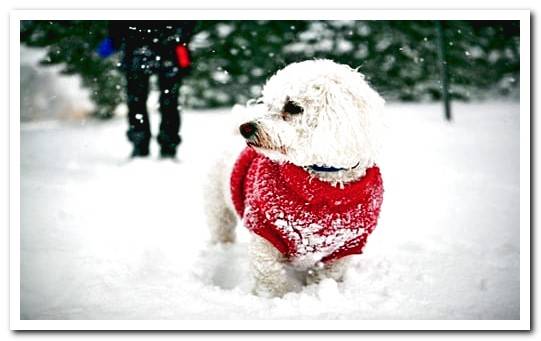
x=103 y=237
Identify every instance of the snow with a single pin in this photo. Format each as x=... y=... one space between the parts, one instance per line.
x=47 y=93
x=103 y=237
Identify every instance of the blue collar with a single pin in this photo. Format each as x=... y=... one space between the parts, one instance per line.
x=317 y=168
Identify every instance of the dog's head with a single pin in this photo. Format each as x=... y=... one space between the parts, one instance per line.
x=317 y=112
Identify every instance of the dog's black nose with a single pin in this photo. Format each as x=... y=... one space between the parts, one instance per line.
x=248 y=130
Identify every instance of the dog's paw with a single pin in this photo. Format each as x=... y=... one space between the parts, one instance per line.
x=270 y=292
x=335 y=271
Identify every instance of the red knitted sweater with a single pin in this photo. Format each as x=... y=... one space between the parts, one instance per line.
x=306 y=219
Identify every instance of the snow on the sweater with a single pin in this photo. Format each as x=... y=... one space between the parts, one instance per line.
x=103 y=237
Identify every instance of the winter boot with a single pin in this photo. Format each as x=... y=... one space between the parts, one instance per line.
x=140 y=141
x=168 y=152
x=140 y=151
x=168 y=145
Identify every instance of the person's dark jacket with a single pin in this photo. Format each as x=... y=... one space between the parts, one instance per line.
x=151 y=46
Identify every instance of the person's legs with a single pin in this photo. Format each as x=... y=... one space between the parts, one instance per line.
x=169 y=137
x=139 y=125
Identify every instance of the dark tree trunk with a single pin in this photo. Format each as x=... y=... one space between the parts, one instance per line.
x=444 y=71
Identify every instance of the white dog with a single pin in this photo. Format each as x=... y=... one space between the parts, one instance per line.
x=307 y=186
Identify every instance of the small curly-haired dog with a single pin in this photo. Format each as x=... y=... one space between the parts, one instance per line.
x=307 y=185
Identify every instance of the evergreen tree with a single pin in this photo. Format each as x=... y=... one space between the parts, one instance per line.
x=73 y=44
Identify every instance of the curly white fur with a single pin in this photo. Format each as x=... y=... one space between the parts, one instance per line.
x=341 y=118
x=339 y=127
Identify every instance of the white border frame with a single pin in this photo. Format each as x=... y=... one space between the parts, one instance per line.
x=522 y=324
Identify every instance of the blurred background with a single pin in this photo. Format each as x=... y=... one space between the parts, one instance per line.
x=234 y=58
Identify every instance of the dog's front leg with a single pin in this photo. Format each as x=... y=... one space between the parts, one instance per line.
x=268 y=268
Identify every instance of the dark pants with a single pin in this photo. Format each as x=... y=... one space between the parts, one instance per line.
x=139 y=125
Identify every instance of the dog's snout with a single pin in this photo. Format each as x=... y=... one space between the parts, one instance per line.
x=248 y=129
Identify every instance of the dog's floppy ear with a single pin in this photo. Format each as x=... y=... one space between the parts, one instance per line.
x=369 y=106
x=334 y=135
x=349 y=121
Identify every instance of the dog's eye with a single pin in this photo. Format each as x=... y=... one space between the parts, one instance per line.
x=292 y=108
